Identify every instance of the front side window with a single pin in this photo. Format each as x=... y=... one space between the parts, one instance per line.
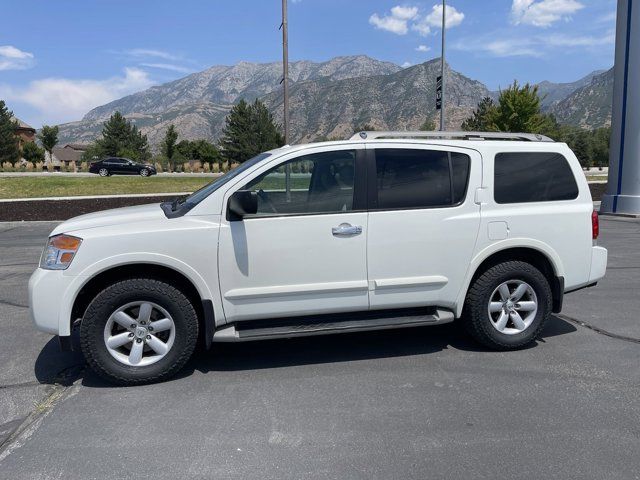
x=522 y=177
x=315 y=183
x=412 y=178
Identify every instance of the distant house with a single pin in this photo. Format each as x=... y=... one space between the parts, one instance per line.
x=63 y=155
x=25 y=133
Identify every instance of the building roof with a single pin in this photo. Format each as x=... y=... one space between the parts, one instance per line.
x=22 y=124
x=65 y=154
x=82 y=147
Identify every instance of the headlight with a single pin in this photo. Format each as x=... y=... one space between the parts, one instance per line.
x=59 y=252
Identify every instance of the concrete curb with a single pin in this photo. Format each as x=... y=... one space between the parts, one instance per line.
x=94 y=197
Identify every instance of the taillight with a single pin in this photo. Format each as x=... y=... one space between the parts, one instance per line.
x=595 y=225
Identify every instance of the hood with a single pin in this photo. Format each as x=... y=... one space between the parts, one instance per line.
x=117 y=216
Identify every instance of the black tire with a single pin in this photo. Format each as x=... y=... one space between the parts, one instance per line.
x=144 y=172
x=113 y=297
x=103 y=172
x=475 y=312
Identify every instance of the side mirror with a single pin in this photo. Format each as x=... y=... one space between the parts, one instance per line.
x=242 y=203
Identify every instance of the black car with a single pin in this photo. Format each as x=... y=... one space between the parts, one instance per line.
x=121 y=166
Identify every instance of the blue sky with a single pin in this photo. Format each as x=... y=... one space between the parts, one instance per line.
x=58 y=59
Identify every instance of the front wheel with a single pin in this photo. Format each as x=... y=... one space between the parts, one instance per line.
x=144 y=172
x=508 y=305
x=138 y=331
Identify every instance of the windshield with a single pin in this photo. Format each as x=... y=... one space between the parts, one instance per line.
x=199 y=195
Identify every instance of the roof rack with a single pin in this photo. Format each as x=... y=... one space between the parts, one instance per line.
x=528 y=137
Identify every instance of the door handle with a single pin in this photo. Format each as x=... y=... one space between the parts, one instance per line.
x=346 y=230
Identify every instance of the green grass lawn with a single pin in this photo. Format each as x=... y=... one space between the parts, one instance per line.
x=29 y=187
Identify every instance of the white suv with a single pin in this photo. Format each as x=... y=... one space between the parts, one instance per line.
x=385 y=230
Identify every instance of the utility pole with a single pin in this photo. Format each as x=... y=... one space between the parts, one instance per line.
x=442 y=105
x=285 y=69
x=285 y=85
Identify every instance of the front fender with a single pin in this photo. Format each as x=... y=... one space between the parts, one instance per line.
x=83 y=277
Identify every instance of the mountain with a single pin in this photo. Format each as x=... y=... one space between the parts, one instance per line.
x=227 y=84
x=553 y=93
x=328 y=99
x=588 y=106
x=397 y=101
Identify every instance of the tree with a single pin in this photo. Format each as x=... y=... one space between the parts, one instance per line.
x=121 y=139
x=48 y=136
x=249 y=130
x=32 y=152
x=518 y=110
x=365 y=127
x=582 y=147
x=201 y=150
x=600 y=148
x=480 y=119
x=9 y=149
x=428 y=125
x=169 y=144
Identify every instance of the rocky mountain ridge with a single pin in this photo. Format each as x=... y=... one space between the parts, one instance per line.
x=328 y=99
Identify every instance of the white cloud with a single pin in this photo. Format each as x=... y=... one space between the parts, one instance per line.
x=608 y=18
x=561 y=40
x=12 y=58
x=397 y=21
x=534 y=46
x=434 y=19
x=149 y=52
x=168 y=66
x=58 y=100
x=543 y=13
x=403 y=17
x=422 y=48
x=406 y=64
x=512 y=48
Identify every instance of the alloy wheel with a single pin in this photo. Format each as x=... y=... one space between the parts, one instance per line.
x=139 y=333
x=513 y=306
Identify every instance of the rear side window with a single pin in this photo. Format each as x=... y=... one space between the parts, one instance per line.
x=407 y=178
x=522 y=177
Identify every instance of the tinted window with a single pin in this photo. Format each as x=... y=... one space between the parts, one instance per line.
x=318 y=183
x=522 y=177
x=409 y=178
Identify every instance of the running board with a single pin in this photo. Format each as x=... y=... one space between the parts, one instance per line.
x=333 y=323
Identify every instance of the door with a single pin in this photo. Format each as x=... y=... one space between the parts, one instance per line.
x=304 y=251
x=423 y=223
x=117 y=165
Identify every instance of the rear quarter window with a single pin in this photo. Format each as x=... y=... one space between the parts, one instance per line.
x=523 y=177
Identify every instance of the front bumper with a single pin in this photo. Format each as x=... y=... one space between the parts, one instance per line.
x=51 y=297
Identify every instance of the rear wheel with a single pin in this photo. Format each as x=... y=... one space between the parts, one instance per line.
x=103 y=172
x=508 y=305
x=138 y=331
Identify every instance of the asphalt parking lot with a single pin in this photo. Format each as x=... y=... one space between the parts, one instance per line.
x=407 y=404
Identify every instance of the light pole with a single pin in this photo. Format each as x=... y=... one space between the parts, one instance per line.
x=285 y=85
x=285 y=69
x=442 y=103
